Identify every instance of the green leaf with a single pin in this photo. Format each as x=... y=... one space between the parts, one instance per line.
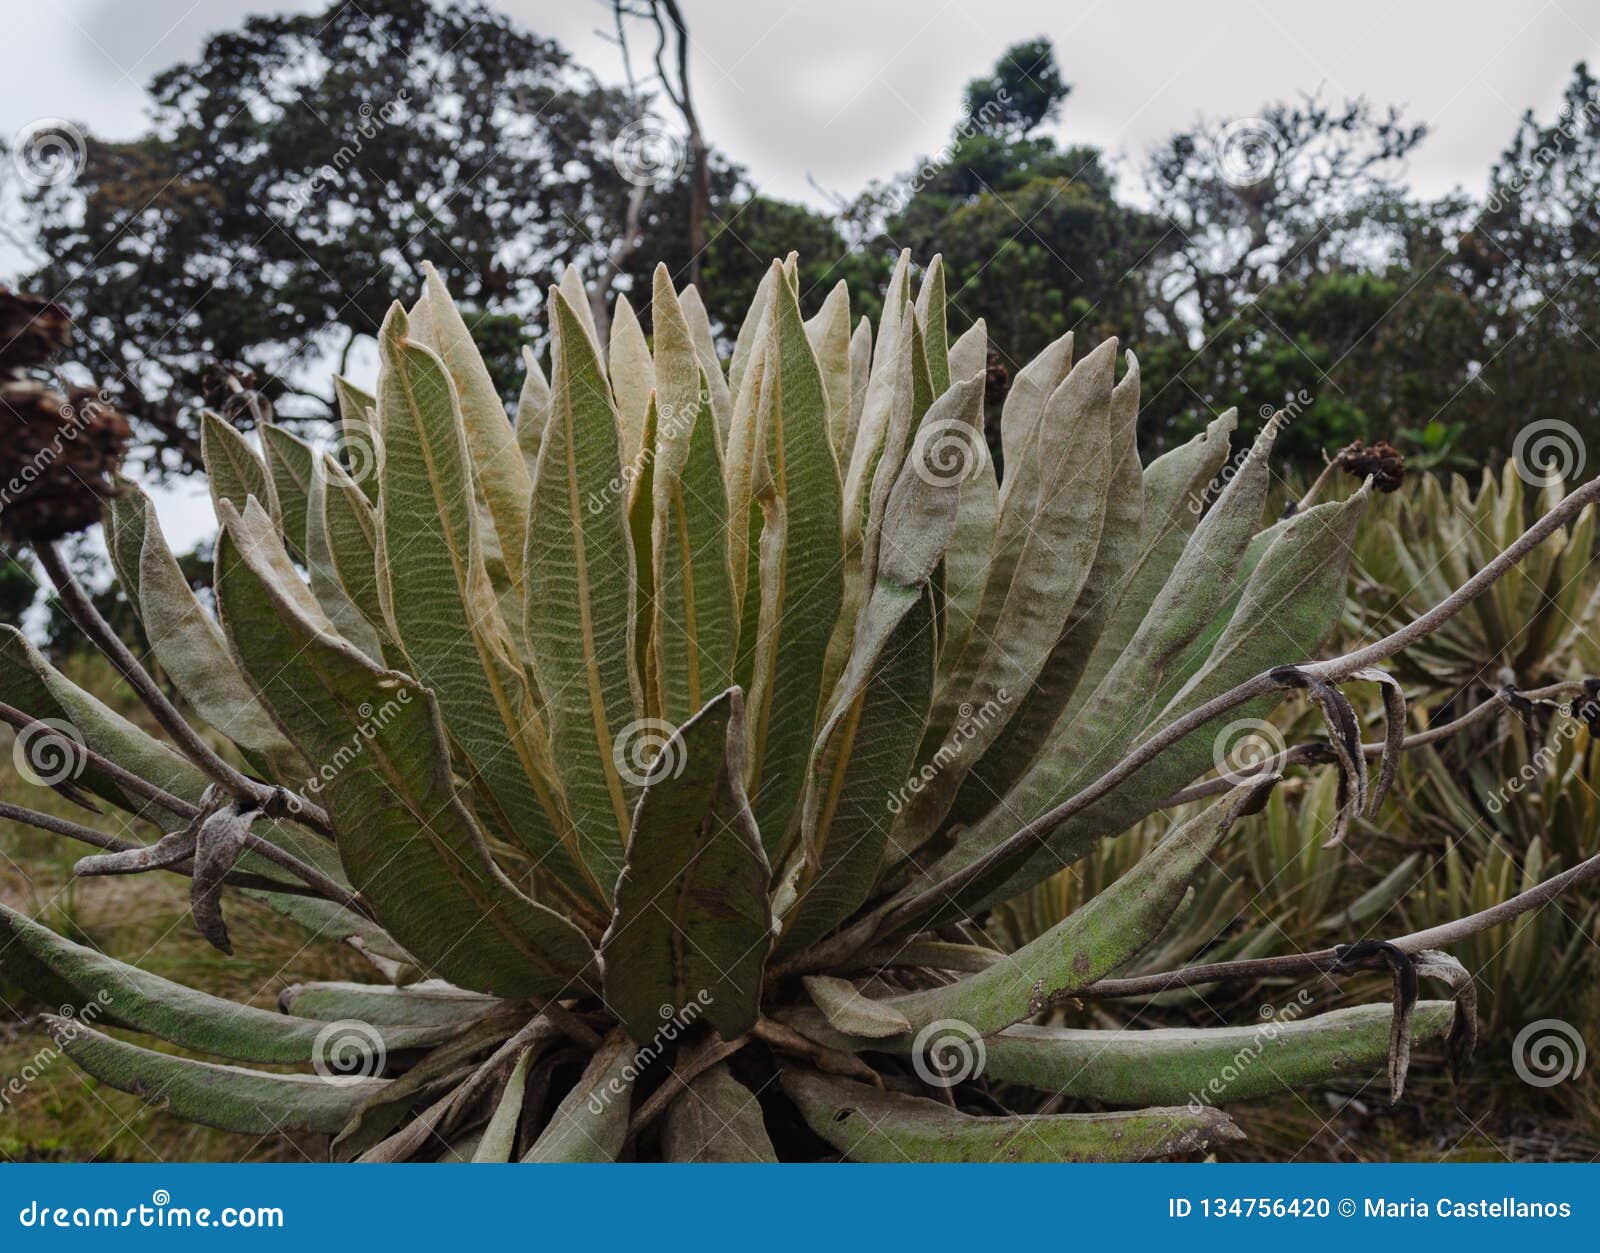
x=751 y=339
x=1053 y=563
x=1038 y=707
x=852 y=1013
x=444 y=611
x=361 y=444
x=499 y=473
x=533 y=411
x=871 y=1125
x=1091 y=941
x=716 y=1119
x=186 y=642
x=1152 y=1067
x=181 y=1015
x=228 y=1097
x=32 y=684
x=234 y=470
x=580 y=585
x=289 y=463
x=695 y=630
x=1083 y=745
x=868 y=750
x=591 y=1123
x=1175 y=485
x=407 y=841
x=801 y=581
x=692 y=924
x=350 y=524
x=430 y=1004
x=500 y=1137
x=877 y=400
x=1292 y=599
x=326 y=585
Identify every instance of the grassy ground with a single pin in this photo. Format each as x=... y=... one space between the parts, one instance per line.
x=64 y=1115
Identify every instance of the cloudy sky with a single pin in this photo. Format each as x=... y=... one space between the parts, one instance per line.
x=843 y=90
x=835 y=92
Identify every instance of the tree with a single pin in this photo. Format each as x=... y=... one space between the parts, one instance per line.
x=292 y=181
x=1033 y=236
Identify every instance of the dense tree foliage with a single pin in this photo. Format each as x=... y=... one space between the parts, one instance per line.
x=296 y=174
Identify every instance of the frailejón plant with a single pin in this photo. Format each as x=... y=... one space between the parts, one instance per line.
x=661 y=746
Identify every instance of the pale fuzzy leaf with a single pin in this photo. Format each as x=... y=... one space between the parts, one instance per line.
x=801 y=578
x=443 y=611
x=229 y=1097
x=406 y=840
x=633 y=377
x=868 y=1124
x=692 y=924
x=847 y=1010
x=580 y=584
x=694 y=312
x=533 y=410
x=931 y=313
x=829 y=333
x=591 y=1123
x=499 y=474
x=969 y=355
x=716 y=1119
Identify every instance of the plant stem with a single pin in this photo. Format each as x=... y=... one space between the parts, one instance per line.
x=122 y=777
x=1324 y=959
x=114 y=844
x=277 y=802
x=1299 y=753
x=1032 y=834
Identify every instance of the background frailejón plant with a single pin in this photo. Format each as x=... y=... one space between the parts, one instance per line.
x=673 y=750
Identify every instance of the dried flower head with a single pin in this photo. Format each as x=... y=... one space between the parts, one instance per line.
x=58 y=458
x=1383 y=461
x=32 y=330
